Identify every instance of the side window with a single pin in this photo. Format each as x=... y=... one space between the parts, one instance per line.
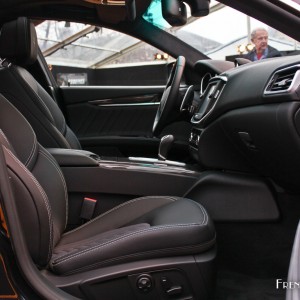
x=79 y=54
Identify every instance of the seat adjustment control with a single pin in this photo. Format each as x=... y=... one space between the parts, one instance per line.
x=169 y=288
x=144 y=283
x=174 y=290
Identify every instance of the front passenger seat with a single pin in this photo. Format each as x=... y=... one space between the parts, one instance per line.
x=139 y=230
x=19 y=47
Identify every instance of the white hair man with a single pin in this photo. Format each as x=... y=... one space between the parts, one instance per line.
x=259 y=37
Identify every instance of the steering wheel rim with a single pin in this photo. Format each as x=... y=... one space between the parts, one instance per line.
x=169 y=97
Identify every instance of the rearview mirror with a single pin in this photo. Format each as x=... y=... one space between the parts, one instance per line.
x=199 y=8
x=174 y=12
x=129 y=11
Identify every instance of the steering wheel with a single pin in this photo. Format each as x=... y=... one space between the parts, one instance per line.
x=169 y=97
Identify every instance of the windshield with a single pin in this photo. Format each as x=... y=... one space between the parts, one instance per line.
x=293 y=3
x=225 y=32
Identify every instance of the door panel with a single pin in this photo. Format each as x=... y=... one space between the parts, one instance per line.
x=110 y=85
x=114 y=120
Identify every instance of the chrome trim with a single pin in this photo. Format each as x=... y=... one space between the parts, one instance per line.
x=149 y=88
x=150 y=98
x=129 y=104
x=154 y=168
x=185 y=98
x=293 y=85
x=202 y=82
x=108 y=2
x=222 y=78
x=157 y=162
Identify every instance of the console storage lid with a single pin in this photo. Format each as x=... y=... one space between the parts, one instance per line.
x=73 y=157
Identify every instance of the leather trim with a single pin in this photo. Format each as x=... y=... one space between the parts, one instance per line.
x=177 y=226
x=119 y=208
x=18 y=42
x=54 y=164
x=43 y=211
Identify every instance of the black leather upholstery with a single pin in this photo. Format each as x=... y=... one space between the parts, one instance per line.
x=18 y=44
x=145 y=227
x=162 y=230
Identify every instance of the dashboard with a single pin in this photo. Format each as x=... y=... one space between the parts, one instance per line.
x=248 y=119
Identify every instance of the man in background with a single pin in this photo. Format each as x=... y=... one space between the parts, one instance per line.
x=259 y=37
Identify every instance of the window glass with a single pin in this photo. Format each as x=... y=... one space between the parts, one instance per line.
x=85 y=46
x=227 y=39
x=224 y=33
x=293 y=3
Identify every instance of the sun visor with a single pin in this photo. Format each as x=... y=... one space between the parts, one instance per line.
x=115 y=11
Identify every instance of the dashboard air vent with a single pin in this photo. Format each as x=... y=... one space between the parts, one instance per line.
x=284 y=80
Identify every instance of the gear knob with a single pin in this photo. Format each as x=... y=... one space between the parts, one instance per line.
x=165 y=146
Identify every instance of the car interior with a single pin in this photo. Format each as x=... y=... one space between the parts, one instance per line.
x=191 y=191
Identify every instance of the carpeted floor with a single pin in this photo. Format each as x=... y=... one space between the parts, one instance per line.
x=251 y=256
x=236 y=286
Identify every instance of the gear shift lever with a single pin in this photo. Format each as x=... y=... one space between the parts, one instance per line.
x=164 y=146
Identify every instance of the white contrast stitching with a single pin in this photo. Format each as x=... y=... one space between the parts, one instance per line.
x=67 y=144
x=139 y=254
x=38 y=97
x=32 y=149
x=31 y=153
x=205 y=219
x=44 y=196
x=95 y=248
x=4 y=136
x=53 y=162
x=118 y=207
x=33 y=133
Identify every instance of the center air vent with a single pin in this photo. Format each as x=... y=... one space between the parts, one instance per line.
x=284 y=80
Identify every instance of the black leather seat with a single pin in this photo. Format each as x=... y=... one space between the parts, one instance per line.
x=19 y=47
x=143 y=228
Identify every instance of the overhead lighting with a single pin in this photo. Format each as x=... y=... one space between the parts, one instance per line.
x=241 y=49
x=161 y=56
x=249 y=47
x=166 y=56
x=158 y=56
x=245 y=48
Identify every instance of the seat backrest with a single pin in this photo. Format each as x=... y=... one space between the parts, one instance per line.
x=19 y=47
x=37 y=182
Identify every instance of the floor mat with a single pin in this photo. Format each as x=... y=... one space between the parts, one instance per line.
x=236 y=286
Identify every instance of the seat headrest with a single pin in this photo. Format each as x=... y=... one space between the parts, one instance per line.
x=18 y=42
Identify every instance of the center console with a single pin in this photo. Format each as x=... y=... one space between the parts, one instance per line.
x=113 y=180
x=85 y=171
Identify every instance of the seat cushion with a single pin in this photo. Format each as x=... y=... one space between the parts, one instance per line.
x=142 y=228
